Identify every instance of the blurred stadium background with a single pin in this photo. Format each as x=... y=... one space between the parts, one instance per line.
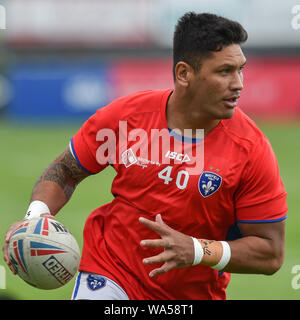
x=60 y=60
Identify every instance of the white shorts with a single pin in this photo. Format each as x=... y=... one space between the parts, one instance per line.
x=91 y=286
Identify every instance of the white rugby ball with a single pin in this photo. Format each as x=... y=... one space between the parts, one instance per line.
x=44 y=253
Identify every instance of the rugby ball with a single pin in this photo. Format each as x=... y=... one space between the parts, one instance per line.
x=44 y=253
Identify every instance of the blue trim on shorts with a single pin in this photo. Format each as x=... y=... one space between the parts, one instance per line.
x=77 y=286
x=262 y=221
x=75 y=155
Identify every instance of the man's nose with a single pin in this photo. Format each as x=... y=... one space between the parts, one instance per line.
x=237 y=82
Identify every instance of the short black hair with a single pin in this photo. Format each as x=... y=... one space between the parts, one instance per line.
x=196 y=36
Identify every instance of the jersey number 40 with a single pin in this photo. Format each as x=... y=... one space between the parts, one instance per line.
x=182 y=177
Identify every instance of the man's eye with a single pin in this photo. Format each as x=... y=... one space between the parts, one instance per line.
x=224 y=71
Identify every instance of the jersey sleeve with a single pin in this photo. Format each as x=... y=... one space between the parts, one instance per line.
x=93 y=137
x=261 y=196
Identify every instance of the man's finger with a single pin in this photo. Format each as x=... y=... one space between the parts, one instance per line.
x=12 y=229
x=9 y=233
x=163 y=269
x=155 y=226
x=5 y=254
x=6 y=258
x=7 y=236
x=156 y=243
x=159 y=219
x=161 y=257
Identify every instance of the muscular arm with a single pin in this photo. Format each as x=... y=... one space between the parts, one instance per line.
x=260 y=250
x=58 y=181
x=54 y=187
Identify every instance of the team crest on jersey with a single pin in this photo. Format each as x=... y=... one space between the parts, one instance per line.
x=209 y=183
x=95 y=282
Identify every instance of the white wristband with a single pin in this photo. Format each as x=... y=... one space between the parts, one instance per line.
x=35 y=209
x=198 y=251
x=225 y=256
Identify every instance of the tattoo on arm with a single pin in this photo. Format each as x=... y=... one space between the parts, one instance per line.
x=205 y=246
x=64 y=171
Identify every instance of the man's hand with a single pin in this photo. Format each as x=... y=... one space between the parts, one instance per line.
x=178 y=248
x=9 y=233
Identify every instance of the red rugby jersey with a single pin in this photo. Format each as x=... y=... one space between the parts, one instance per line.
x=240 y=182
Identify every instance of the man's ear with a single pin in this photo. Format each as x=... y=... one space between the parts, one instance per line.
x=183 y=73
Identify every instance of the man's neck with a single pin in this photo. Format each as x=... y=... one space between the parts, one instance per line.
x=179 y=116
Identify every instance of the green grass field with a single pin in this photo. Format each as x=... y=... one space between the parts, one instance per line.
x=27 y=150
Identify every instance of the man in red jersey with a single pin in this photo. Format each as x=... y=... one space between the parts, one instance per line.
x=175 y=230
